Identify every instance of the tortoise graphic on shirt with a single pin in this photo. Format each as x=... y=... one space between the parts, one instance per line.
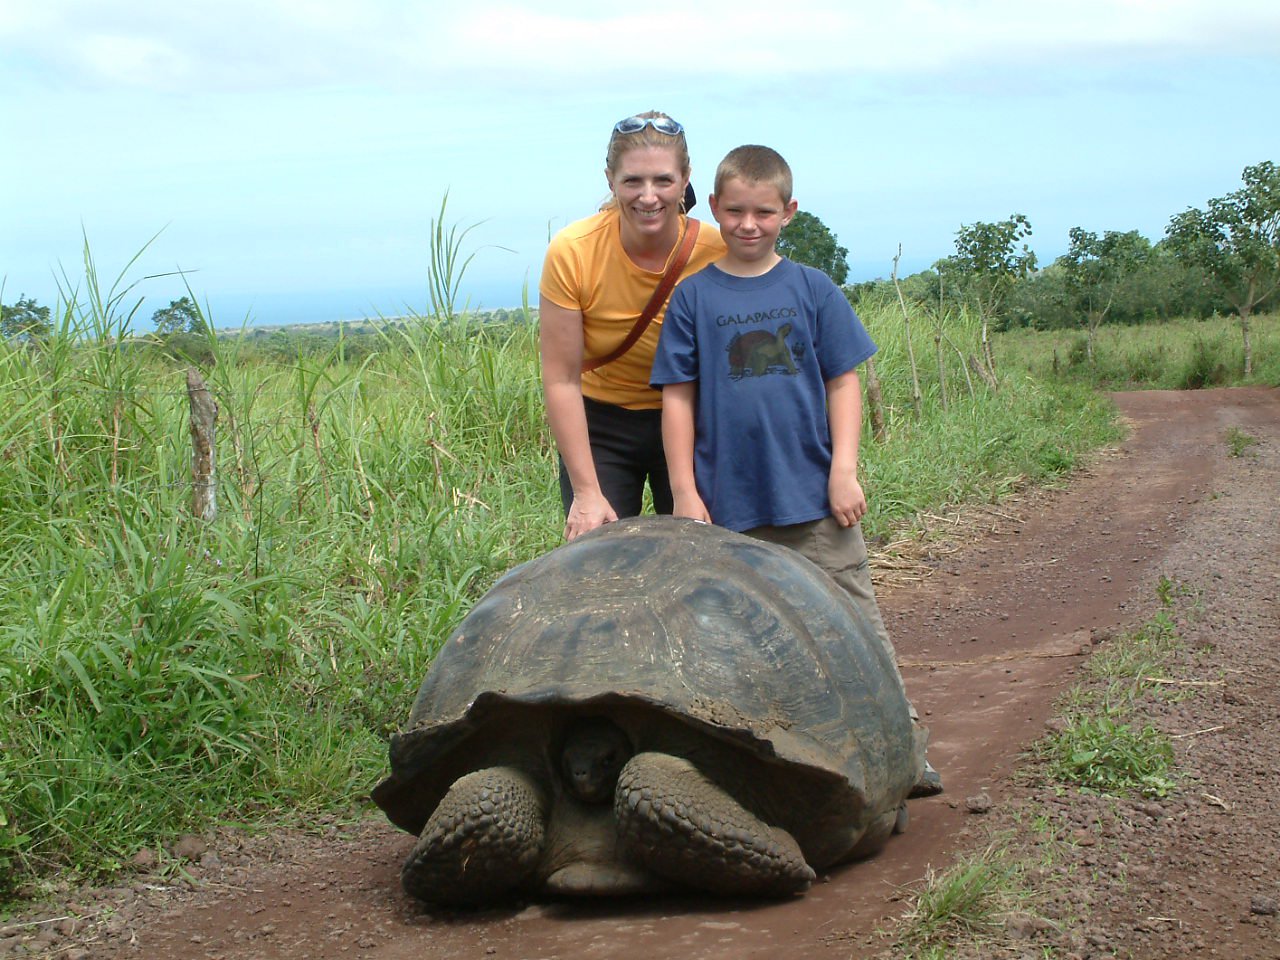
x=759 y=352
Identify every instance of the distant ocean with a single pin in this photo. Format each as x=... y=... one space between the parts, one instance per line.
x=280 y=309
x=229 y=311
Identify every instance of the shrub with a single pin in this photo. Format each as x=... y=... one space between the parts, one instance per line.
x=1204 y=368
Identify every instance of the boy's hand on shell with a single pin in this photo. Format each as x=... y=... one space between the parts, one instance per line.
x=693 y=508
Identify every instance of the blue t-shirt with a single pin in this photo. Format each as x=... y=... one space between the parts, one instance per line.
x=761 y=350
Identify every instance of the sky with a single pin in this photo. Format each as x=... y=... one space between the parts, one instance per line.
x=285 y=161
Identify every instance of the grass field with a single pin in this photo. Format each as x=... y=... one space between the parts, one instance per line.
x=1179 y=355
x=158 y=673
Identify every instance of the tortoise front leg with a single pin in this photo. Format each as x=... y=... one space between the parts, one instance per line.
x=681 y=825
x=483 y=840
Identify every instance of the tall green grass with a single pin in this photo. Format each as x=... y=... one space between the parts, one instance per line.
x=158 y=673
x=1179 y=355
x=970 y=444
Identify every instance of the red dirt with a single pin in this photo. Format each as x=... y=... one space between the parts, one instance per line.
x=987 y=641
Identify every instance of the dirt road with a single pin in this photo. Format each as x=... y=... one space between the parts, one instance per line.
x=997 y=629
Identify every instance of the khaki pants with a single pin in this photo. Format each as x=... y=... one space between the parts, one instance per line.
x=842 y=554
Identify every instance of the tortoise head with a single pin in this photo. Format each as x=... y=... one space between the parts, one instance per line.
x=595 y=750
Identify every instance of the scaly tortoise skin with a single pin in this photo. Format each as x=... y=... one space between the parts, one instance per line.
x=660 y=704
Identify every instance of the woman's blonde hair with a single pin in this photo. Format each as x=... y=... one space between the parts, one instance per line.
x=646 y=136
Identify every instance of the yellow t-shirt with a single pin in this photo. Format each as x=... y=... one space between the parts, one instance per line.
x=586 y=269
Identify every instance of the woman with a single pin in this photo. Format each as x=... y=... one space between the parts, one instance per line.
x=599 y=275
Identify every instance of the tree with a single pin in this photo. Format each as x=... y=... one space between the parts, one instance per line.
x=25 y=321
x=807 y=240
x=1097 y=271
x=986 y=264
x=1236 y=242
x=1170 y=286
x=180 y=316
x=1041 y=301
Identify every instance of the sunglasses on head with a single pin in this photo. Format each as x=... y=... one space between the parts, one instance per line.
x=662 y=124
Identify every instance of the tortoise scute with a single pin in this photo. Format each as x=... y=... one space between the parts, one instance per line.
x=768 y=731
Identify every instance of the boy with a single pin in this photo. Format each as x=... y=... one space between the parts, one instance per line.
x=761 y=403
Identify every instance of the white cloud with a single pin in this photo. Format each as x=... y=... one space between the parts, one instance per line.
x=131 y=60
x=256 y=44
x=20 y=17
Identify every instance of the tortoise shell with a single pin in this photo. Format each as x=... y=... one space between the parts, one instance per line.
x=745 y=641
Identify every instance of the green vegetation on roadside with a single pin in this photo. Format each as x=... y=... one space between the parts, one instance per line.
x=1098 y=749
x=158 y=673
x=1238 y=441
x=1095 y=747
x=970 y=901
x=1100 y=754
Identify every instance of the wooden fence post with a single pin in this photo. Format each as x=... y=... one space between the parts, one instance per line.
x=916 y=402
x=875 y=401
x=204 y=419
x=987 y=376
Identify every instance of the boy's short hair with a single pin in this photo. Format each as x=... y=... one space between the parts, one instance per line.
x=755 y=164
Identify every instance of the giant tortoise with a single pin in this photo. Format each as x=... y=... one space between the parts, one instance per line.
x=660 y=704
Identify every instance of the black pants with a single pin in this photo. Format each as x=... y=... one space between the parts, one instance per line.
x=627 y=448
